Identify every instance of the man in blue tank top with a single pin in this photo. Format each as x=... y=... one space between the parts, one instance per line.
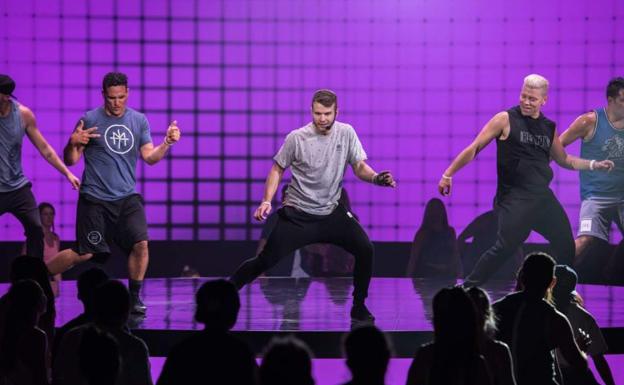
x=16 y=197
x=526 y=142
x=109 y=207
x=602 y=195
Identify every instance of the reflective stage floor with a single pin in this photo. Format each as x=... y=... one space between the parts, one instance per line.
x=321 y=304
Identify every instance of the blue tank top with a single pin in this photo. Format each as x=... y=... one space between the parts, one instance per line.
x=110 y=160
x=12 y=130
x=607 y=143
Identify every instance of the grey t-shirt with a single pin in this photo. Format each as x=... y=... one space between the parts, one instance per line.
x=110 y=160
x=318 y=165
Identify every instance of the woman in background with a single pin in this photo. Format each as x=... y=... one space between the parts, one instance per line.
x=434 y=249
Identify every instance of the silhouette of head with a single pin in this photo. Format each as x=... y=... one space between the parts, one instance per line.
x=111 y=307
x=435 y=217
x=537 y=272
x=368 y=352
x=454 y=319
x=485 y=313
x=564 y=291
x=99 y=357
x=218 y=304
x=88 y=282
x=286 y=361
x=26 y=267
x=26 y=301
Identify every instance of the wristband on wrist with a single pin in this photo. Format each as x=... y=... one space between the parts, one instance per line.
x=373 y=178
x=447 y=177
x=265 y=203
x=591 y=164
x=167 y=142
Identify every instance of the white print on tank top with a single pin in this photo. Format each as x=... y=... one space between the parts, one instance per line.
x=538 y=140
x=614 y=147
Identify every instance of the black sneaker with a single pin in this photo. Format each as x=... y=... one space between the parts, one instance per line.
x=137 y=306
x=360 y=313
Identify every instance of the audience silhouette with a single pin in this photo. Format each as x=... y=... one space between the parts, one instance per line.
x=88 y=282
x=24 y=357
x=533 y=329
x=286 y=361
x=212 y=355
x=368 y=354
x=496 y=353
x=25 y=267
x=100 y=358
x=111 y=312
x=583 y=324
x=453 y=358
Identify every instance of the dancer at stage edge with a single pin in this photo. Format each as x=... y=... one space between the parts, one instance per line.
x=602 y=195
x=16 y=197
x=317 y=155
x=109 y=208
x=526 y=141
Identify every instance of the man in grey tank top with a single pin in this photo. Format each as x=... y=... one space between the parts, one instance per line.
x=317 y=155
x=16 y=197
x=602 y=137
x=109 y=208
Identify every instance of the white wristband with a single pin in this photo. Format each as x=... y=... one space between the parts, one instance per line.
x=168 y=143
x=447 y=177
x=267 y=203
x=591 y=164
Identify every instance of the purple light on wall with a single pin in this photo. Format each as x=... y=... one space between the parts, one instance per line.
x=416 y=79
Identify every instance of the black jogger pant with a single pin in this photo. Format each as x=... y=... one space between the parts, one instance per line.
x=295 y=229
x=21 y=203
x=517 y=216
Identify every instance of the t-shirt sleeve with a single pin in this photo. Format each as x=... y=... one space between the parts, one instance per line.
x=286 y=154
x=356 y=151
x=146 y=137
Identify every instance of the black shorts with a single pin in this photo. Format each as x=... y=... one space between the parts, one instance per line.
x=99 y=223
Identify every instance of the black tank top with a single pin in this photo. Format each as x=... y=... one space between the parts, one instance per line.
x=523 y=158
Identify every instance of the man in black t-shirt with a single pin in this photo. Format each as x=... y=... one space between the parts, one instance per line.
x=526 y=141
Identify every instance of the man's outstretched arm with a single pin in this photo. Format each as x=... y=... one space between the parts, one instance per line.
x=44 y=148
x=492 y=129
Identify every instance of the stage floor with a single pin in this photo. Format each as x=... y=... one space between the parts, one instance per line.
x=317 y=311
x=320 y=304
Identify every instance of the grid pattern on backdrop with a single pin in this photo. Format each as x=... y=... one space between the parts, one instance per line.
x=417 y=79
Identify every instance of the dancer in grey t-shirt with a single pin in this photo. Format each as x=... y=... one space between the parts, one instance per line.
x=317 y=155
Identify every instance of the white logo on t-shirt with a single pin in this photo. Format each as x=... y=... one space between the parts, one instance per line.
x=586 y=225
x=119 y=138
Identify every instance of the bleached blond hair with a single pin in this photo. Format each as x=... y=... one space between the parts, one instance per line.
x=536 y=81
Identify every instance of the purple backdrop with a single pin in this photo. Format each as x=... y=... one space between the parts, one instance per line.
x=417 y=79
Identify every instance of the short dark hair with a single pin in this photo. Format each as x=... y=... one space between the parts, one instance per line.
x=218 y=304
x=112 y=79
x=614 y=87
x=325 y=97
x=537 y=271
